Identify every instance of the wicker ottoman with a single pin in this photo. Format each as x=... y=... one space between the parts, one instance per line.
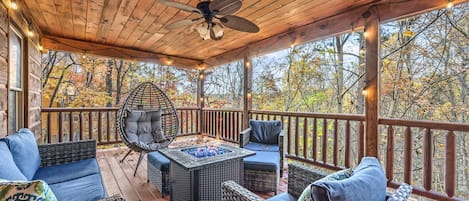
x=262 y=171
x=158 y=171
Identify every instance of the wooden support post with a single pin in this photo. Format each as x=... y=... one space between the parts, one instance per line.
x=200 y=100
x=372 y=63
x=247 y=106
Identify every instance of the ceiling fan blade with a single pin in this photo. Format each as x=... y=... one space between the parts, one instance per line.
x=225 y=7
x=179 y=6
x=182 y=23
x=239 y=23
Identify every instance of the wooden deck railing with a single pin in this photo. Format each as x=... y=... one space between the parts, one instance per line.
x=222 y=123
x=74 y=124
x=422 y=153
x=425 y=156
x=323 y=140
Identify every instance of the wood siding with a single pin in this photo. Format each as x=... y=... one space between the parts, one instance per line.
x=32 y=70
x=3 y=69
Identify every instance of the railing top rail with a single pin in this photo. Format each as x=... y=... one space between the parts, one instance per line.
x=355 y=117
x=94 y=109
x=222 y=110
x=78 y=109
x=438 y=125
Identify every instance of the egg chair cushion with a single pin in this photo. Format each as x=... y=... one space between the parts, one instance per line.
x=156 y=129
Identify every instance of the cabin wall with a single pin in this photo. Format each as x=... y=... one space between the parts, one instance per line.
x=31 y=73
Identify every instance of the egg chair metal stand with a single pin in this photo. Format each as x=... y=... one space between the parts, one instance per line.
x=137 y=121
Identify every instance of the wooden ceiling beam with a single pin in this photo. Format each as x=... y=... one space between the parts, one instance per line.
x=92 y=48
x=340 y=23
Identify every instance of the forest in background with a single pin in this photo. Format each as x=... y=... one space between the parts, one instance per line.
x=425 y=62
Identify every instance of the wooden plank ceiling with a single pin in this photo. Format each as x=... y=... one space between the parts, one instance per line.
x=139 y=24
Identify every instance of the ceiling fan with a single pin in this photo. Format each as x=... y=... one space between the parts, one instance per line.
x=216 y=15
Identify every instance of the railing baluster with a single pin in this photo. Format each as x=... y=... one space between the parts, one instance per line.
x=390 y=154
x=90 y=125
x=80 y=121
x=335 y=150
x=191 y=116
x=187 y=120
x=450 y=181
x=361 y=141
x=60 y=127
x=315 y=139
x=108 y=127
x=297 y=135
x=324 y=141
x=408 y=156
x=70 y=127
x=305 y=137
x=347 y=144
x=100 y=127
x=116 y=133
x=427 y=159
x=289 y=135
x=49 y=127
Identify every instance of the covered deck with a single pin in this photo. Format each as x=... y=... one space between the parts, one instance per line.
x=134 y=29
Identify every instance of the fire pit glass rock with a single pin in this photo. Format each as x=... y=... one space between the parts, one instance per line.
x=205 y=151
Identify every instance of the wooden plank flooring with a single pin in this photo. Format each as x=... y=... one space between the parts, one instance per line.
x=119 y=180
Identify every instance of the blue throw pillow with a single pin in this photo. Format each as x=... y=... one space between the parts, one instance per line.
x=265 y=131
x=8 y=168
x=23 y=148
x=367 y=183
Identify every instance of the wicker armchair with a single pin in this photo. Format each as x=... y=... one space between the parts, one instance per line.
x=147 y=105
x=262 y=171
x=299 y=177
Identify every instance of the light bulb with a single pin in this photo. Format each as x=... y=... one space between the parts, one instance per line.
x=449 y=5
x=31 y=33
x=40 y=47
x=14 y=6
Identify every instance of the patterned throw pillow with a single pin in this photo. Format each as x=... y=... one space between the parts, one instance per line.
x=26 y=190
x=402 y=193
x=339 y=175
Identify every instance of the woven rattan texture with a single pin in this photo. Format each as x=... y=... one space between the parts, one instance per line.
x=300 y=176
x=160 y=179
x=231 y=191
x=261 y=180
x=67 y=152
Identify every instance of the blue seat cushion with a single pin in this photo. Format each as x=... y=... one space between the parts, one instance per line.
x=263 y=160
x=283 y=197
x=23 y=148
x=265 y=132
x=159 y=161
x=65 y=172
x=8 y=168
x=255 y=146
x=87 y=188
x=367 y=183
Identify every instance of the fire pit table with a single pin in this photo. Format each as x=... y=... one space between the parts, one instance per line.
x=197 y=172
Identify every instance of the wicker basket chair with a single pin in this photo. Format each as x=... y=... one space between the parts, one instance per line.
x=147 y=97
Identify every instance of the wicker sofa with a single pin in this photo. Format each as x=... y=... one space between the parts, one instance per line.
x=70 y=169
x=299 y=177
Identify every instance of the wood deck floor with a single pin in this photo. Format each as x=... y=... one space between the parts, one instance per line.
x=119 y=179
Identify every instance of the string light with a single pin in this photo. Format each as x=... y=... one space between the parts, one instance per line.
x=169 y=61
x=31 y=33
x=249 y=95
x=13 y=5
x=201 y=76
x=248 y=64
x=40 y=47
x=364 y=91
x=201 y=99
x=450 y=4
x=365 y=34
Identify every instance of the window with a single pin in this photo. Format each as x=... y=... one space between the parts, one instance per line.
x=15 y=94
